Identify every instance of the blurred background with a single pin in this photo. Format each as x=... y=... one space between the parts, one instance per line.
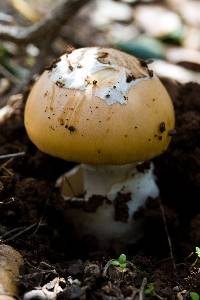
x=33 y=32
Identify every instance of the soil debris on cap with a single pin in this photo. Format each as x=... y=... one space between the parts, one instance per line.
x=102 y=54
x=150 y=73
x=59 y=83
x=70 y=67
x=61 y=122
x=130 y=77
x=71 y=128
x=102 y=58
x=162 y=127
x=143 y=63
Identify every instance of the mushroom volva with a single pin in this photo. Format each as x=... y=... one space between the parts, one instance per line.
x=109 y=112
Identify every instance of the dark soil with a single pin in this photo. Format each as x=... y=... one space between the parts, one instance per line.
x=29 y=200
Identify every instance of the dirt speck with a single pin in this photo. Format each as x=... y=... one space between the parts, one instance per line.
x=53 y=64
x=71 y=128
x=150 y=73
x=70 y=67
x=121 y=207
x=130 y=77
x=59 y=83
x=61 y=121
x=162 y=127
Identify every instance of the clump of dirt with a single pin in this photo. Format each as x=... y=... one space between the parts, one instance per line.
x=32 y=207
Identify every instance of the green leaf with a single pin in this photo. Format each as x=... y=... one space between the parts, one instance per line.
x=175 y=37
x=197 y=251
x=114 y=263
x=122 y=259
x=150 y=289
x=123 y=266
x=194 y=296
x=144 y=47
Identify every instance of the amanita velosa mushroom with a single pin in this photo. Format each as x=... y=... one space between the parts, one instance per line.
x=108 y=111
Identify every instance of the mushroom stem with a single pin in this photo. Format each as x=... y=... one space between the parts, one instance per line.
x=99 y=180
x=124 y=190
x=108 y=180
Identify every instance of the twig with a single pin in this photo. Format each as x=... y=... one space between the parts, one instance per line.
x=12 y=199
x=105 y=270
x=141 y=292
x=158 y=296
x=11 y=155
x=38 y=226
x=5 y=164
x=7 y=233
x=50 y=270
x=19 y=233
x=168 y=236
x=4 y=167
x=8 y=74
x=42 y=34
x=43 y=30
x=10 y=158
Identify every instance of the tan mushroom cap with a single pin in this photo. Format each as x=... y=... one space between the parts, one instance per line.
x=99 y=106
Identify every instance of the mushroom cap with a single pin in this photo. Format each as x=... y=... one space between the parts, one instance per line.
x=99 y=106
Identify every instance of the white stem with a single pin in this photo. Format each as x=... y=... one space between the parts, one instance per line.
x=99 y=180
x=109 y=181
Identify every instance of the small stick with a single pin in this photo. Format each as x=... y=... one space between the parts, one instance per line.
x=141 y=292
x=19 y=233
x=10 y=263
x=168 y=237
x=11 y=232
x=47 y=27
x=11 y=155
x=9 y=75
x=4 y=167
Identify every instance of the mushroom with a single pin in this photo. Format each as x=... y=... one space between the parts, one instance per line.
x=108 y=111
